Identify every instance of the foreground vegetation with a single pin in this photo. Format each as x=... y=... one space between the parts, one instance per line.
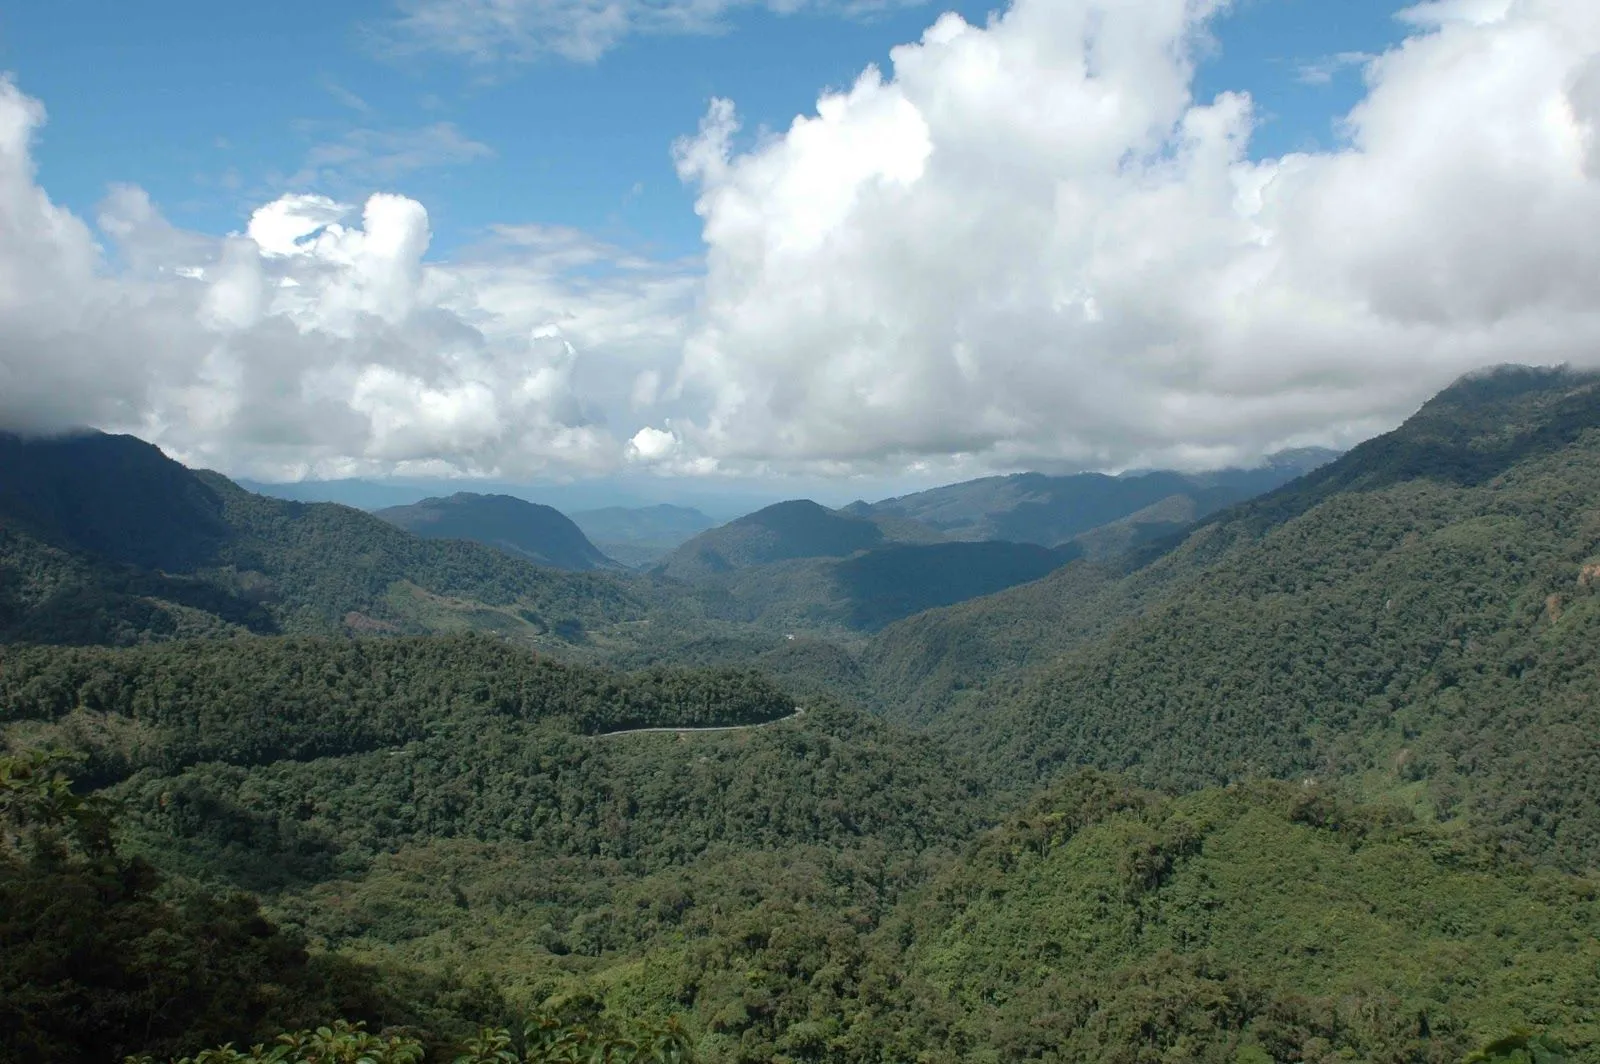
x=1266 y=922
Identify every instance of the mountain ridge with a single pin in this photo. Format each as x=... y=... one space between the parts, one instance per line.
x=104 y=539
x=528 y=530
x=1051 y=510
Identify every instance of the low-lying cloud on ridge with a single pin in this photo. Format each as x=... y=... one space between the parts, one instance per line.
x=1023 y=243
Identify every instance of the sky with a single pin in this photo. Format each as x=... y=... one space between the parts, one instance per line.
x=836 y=247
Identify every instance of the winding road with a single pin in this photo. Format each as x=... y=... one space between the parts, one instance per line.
x=799 y=711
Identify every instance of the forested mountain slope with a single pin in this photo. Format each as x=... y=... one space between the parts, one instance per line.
x=799 y=567
x=1267 y=922
x=464 y=807
x=786 y=531
x=1258 y=923
x=103 y=539
x=1051 y=510
x=866 y=591
x=539 y=534
x=1420 y=615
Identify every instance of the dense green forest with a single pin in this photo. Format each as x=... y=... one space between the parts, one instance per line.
x=844 y=597
x=1313 y=779
x=1427 y=631
x=105 y=540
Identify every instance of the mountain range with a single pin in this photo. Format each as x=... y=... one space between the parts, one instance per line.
x=1052 y=510
x=1312 y=776
x=103 y=539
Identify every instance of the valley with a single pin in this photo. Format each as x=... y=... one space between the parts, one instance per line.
x=1297 y=763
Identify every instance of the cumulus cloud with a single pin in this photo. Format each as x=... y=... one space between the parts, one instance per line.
x=1020 y=244
x=652 y=444
x=317 y=342
x=1029 y=241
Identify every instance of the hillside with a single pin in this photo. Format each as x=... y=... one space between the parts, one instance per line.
x=870 y=589
x=1419 y=617
x=103 y=539
x=538 y=534
x=1051 y=510
x=783 y=532
x=392 y=798
x=640 y=536
x=800 y=567
x=1260 y=923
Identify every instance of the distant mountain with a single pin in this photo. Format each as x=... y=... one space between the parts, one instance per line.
x=801 y=566
x=103 y=539
x=522 y=529
x=784 y=531
x=871 y=588
x=639 y=536
x=1051 y=510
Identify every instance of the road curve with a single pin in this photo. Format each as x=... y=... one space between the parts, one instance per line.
x=799 y=711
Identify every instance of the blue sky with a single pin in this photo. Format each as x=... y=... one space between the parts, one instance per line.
x=215 y=108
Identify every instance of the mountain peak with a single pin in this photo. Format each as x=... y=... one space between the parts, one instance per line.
x=114 y=496
x=528 y=530
x=797 y=528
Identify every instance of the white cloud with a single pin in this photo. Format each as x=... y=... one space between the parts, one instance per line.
x=375 y=156
x=280 y=226
x=1322 y=71
x=1435 y=13
x=1031 y=243
x=318 y=342
x=1020 y=244
x=652 y=444
x=495 y=31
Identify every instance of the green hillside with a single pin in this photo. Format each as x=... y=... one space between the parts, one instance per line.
x=323 y=771
x=786 y=531
x=1265 y=922
x=103 y=539
x=1418 y=617
x=1052 y=510
x=522 y=529
x=866 y=591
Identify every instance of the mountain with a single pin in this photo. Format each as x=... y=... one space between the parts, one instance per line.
x=103 y=539
x=800 y=566
x=1421 y=615
x=398 y=797
x=1051 y=510
x=784 y=531
x=1346 y=802
x=640 y=536
x=522 y=529
x=869 y=589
